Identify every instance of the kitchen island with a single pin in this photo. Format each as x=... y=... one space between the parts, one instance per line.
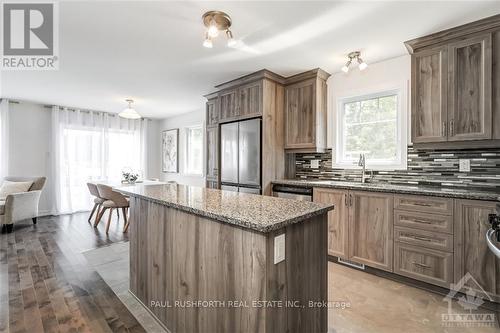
x=205 y=260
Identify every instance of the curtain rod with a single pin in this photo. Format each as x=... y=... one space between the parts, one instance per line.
x=46 y=106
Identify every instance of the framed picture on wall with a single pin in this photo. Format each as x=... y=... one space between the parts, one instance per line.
x=170 y=145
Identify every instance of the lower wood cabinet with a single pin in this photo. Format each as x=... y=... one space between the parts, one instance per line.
x=423 y=264
x=212 y=184
x=360 y=228
x=471 y=252
x=338 y=220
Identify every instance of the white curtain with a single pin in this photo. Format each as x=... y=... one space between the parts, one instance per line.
x=92 y=146
x=4 y=138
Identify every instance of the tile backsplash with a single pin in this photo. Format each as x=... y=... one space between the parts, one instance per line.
x=425 y=167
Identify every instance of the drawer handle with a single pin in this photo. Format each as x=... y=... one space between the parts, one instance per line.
x=425 y=204
x=422 y=221
x=420 y=264
x=422 y=239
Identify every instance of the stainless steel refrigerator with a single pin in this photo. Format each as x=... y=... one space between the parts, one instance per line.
x=241 y=156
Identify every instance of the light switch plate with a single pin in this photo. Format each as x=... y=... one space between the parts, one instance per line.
x=279 y=249
x=314 y=164
x=464 y=165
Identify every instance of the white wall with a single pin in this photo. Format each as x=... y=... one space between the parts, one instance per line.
x=30 y=146
x=181 y=122
x=385 y=75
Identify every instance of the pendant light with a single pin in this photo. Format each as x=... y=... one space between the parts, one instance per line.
x=129 y=112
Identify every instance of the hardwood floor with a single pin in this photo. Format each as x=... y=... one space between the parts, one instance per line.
x=46 y=285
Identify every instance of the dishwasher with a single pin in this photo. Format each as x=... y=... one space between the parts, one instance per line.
x=293 y=192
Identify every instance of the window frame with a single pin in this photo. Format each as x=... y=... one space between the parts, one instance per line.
x=400 y=163
x=187 y=130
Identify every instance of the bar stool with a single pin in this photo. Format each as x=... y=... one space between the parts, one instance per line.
x=113 y=200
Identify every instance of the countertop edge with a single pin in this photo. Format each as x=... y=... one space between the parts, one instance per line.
x=225 y=219
x=483 y=196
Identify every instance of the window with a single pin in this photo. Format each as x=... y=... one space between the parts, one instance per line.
x=373 y=125
x=194 y=150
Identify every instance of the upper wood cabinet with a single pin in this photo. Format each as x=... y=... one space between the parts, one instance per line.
x=249 y=101
x=429 y=85
x=212 y=135
x=228 y=109
x=469 y=98
x=305 y=112
x=454 y=86
x=212 y=112
x=471 y=252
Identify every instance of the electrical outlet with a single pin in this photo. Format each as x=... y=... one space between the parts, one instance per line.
x=314 y=164
x=464 y=165
x=279 y=249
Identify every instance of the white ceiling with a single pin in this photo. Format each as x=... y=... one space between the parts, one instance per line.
x=152 y=52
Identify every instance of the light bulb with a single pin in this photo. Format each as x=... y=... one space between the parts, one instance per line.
x=207 y=42
x=345 y=68
x=362 y=64
x=231 y=42
x=212 y=30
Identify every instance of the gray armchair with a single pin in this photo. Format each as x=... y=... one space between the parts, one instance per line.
x=21 y=206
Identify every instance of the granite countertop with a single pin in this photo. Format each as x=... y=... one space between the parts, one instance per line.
x=256 y=212
x=391 y=188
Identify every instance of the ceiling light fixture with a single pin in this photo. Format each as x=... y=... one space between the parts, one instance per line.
x=216 y=21
x=354 y=55
x=129 y=112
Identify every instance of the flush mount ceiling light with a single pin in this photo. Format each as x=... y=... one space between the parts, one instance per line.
x=129 y=112
x=356 y=55
x=216 y=21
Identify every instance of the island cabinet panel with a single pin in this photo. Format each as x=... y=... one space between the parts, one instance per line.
x=429 y=95
x=469 y=103
x=471 y=252
x=371 y=219
x=178 y=257
x=338 y=222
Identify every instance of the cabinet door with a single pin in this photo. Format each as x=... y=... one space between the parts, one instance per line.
x=212 y=184
x=212 y=112
x=250 y=99
x=472 y=255
x=429 y=91
x=338 y=220
x=212 y=152
x=371 y=229
x=469 y=97
x=228 y=105
x=300 y=117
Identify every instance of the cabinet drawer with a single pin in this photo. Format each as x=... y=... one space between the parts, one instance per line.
x=423 y=221
x=424 y=204
x=423 y=264
x=428 y=239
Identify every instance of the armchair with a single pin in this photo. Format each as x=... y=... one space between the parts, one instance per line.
x=21 y=206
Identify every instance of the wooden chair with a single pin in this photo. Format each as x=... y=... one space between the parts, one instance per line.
x=113 y=200
x=98 y=201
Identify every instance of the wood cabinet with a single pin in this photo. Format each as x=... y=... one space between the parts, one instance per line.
x=228 y=109
x=471 y=252
x=212 y=184
x=249 y=102
x=360 y=228
x=469 y=97
x=338 y=220
x=212 y=112
x=305 y=112
x=455 y=85
x=429 y=95
x=212 y=137
x=371 y=229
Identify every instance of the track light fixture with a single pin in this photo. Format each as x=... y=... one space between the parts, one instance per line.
x=356 y=55
x=216 y=21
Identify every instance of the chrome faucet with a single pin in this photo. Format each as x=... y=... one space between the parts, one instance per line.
x=362 y=163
